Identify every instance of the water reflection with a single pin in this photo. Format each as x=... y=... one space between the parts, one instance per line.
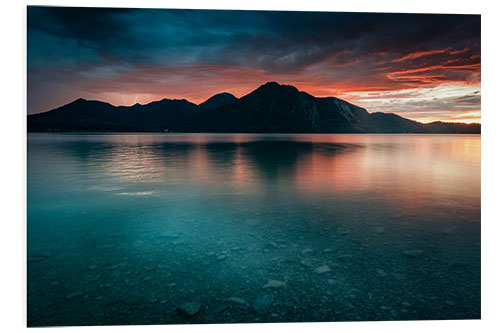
x=404 y=169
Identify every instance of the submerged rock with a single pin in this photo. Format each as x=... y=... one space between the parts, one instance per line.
x=333 y=282
x=261 y=305
x=307 y=250
x=342 y=231
x=92 y=278
x=190 y=308
x=272 y=244
x=274 y=284
x=115 y=273
x=237 y=300
x=413 y=253
x=345 y=257
x=252 y=221
x=74 y=294
x=322 y=269
x=306 y=263
x=381 y=272
x=222 y=307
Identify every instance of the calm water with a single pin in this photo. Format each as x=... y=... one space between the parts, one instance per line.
x=128 y=228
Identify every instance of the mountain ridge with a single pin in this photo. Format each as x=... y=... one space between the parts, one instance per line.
x=272 y=107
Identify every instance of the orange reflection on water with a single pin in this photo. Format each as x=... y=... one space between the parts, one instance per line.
x=402 y=169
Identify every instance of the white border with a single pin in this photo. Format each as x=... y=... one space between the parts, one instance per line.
x=12 y=296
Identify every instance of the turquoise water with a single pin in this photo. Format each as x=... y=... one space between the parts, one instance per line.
x=220 y=228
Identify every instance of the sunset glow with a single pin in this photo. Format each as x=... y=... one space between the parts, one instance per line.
x=422 y=67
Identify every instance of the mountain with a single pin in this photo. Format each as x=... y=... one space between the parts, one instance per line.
x=160 y=115
x=217 y=101
x=442 y=127
x=271 y=108
x=84 y=115
x=282 y=108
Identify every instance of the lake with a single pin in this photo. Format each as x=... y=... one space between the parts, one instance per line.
x=221 y=228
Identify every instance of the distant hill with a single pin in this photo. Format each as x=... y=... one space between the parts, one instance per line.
x=271 y=108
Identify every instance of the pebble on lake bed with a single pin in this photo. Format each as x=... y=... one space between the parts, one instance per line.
x=322 y=269
x=306 y=262
x=274 y=284
x=74 y=294
x=190 y=308
x=237 y=300
x=333 y=282
x=222 y=307
x=342 y=231
x=261 y=305
x=413 y=253
x=92 y=278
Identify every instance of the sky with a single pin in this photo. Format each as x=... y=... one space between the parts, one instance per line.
x=425 y=67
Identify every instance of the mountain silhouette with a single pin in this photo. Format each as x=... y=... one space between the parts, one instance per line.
x=216 y=101
x=271 y=108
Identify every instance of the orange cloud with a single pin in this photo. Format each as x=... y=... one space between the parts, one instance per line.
x=419 y=54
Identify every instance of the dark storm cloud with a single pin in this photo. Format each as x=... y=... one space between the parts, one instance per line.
x=268 y=40
x=91 y=49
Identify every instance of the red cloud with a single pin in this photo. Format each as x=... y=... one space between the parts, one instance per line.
x=419 y=54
